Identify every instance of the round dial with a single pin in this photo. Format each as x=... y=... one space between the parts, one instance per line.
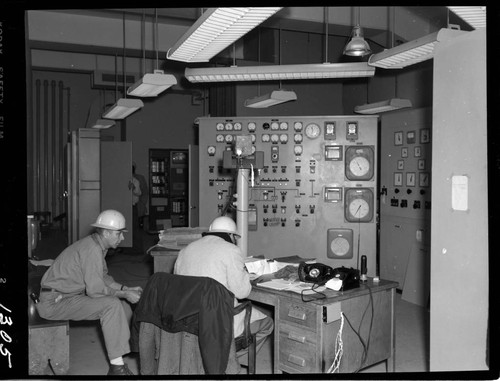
x=359 y=208
x=297 y=150
x=297 y=126
x=219 y=126
x=211 y=150
x=274 y=125
x=297 y=138
x=253 y=138
x=237 y=126
x=219 y=138
x=312 y=131
x=265 y=138
x=229 y=127
x=253 y=149
x=275 y=138
x=359 y=166
x=283 y=138
x=283 y=126
x=251 y=126
x=229 y=138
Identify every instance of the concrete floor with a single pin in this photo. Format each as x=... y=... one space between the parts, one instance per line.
x=88 y=356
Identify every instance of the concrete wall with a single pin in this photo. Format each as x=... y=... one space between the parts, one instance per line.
x=459 y=233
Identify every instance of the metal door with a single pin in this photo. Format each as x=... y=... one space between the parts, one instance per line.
x=116 y=173
x=194 y=186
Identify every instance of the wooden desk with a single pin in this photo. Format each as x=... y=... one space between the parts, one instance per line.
x=305 y=332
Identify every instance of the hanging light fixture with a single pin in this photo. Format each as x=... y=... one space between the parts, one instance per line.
x=103 y=124
x=475 y=16
x=215 y=30
x=275 y=97
x=123 y=107
x=388 y=104
x=152 y=84
x=357 y=46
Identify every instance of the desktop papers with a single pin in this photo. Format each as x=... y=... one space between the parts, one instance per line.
x=295 y=286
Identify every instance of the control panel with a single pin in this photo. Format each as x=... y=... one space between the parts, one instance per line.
x=314 y=192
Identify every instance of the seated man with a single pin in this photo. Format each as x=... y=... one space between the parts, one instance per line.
x=77 y=287
x=216 y=256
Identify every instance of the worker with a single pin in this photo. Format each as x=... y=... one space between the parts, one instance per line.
x=216 y=255
x=77 y=286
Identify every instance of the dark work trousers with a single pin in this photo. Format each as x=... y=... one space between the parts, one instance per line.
x=113 y=314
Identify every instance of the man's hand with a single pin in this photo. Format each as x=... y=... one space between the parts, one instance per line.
x=131 y=295
x=138 y=289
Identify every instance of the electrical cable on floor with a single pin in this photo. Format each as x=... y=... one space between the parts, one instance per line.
x=51 y=368
x=339 y=348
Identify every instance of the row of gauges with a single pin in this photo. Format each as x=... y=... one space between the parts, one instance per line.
x=273 y=138
x=312 y=130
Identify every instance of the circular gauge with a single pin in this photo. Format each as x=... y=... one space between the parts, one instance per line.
x=237 y=126
x=359 y=166
x=312 y=131
x=229 y=138
x=275 y=126
x=211 y=150
x=359 y=204
x=265 y=138
x=297 y=126
x=297 y=138
x=359 y=208
x=251 y=126
x=283 y=138
x=340 y=246
x=283 y=126
x=253 y=138
x=228 y=126
x=297 y=150
x=219 y=126
x=275 y=138
x=253 y=149
x=219 y=138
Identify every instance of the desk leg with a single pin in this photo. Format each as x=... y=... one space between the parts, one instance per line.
x=391 y=361
x=276 y=359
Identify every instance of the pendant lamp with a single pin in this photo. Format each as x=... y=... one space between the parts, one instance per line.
x=357 y=46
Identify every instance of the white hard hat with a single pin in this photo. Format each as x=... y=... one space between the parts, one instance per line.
x=110 y=219
x=223 y=225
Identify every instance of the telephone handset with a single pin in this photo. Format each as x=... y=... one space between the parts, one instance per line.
x=320 y=274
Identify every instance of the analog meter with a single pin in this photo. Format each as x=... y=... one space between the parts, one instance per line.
x=275 y=125
x=283 y=138
x=297 y=138
x=297 y=150
x=219 y=138
x=228 y=126
x=358 y=204
x=219 y=126
x=283 y=126
x=251 y=126
x=237 y=126
x=229 y=138
x=211 y=150
x=312 y=131
x=297 y=126
x=265 y=138
x=274 y=138
x=359 y=163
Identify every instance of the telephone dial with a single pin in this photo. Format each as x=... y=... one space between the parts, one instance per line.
x=320 y=274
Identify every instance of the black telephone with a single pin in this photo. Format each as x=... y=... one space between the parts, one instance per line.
x=320 y=274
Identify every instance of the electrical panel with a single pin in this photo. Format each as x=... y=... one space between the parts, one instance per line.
x=313 y=191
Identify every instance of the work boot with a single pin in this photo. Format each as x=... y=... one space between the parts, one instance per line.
x=119 y=370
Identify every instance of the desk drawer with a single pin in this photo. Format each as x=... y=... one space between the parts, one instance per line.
x=298 y=349
x=298 y=314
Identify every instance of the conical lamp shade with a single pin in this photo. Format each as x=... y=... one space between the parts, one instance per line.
x=357 y=47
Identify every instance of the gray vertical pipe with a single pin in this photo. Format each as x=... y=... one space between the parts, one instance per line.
x=45 y=145
x=36 y=154
x=61 y=149
x=53 y=152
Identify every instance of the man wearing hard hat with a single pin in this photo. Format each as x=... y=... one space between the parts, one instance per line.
x=77 y=286
x=216 y=255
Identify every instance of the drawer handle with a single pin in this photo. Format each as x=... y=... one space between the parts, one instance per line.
x=296 y=360
x=301 y=315
x=300 y=339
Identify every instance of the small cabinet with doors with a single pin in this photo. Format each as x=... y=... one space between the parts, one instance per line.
x=168 y=184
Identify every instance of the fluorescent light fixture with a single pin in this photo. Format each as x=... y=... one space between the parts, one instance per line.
x=279 y=72
x=103 y=123
x=123 y=108
x=412 y=52
x=475 y=16
x=152 y=84
x=383 y=106
x=271 y=99
x=357 y=46
x=215 y=30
